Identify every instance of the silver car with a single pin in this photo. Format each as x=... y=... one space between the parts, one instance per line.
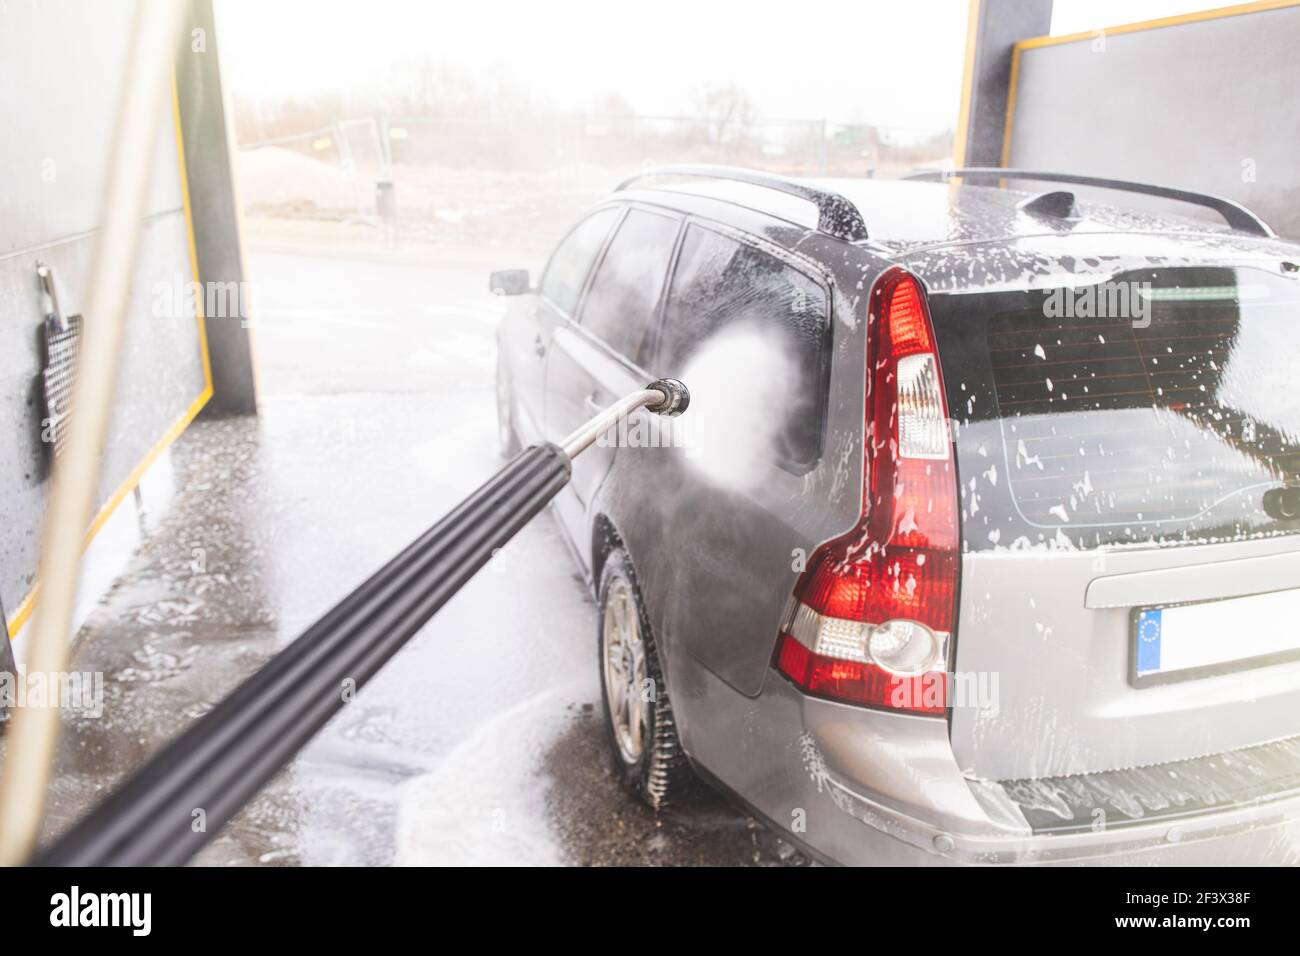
x=978 y=543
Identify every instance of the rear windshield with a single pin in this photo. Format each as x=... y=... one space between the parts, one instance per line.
x=1160 y=407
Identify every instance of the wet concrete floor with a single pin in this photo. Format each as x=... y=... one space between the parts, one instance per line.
x=481 y=741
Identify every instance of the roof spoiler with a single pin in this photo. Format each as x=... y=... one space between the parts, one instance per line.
x=1236 y=215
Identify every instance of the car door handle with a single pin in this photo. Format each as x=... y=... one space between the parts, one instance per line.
x=539 y=347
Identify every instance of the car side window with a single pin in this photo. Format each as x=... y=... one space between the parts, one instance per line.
x=624 y=295
x=735 y=309
x=572 y=260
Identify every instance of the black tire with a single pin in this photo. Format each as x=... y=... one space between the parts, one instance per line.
x=507 y=439
x=659 y=773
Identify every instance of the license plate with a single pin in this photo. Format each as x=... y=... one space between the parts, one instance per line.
x=1197 y=640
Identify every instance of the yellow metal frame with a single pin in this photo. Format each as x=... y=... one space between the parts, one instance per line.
x=959 y=141
x=28 y=603
x=1218 y=13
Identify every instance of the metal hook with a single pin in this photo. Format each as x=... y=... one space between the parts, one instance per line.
x=50 y=298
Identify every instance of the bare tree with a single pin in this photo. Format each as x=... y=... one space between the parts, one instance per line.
x=727 y=110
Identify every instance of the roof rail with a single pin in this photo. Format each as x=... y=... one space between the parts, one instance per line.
x=1236 y=215
x=836 y=215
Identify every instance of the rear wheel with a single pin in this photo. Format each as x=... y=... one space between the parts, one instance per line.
x=638 y=714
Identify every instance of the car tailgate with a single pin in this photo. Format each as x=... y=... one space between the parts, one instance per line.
x=1129 y=481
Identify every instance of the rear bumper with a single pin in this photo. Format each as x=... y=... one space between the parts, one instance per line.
x=1244 y=836
x=862 y=787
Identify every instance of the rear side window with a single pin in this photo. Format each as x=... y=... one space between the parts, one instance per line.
x=624 y=295
x=735 y=307
x=571 y=262
x=1157 y=408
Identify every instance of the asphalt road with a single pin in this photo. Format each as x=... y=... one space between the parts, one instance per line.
x=481 y=742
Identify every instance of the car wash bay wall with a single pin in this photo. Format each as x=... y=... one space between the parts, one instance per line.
x=62 y=64
x=1203 y=101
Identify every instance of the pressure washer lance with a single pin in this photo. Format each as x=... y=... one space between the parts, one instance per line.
x=170 y=808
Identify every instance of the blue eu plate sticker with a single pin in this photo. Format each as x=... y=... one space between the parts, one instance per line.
x=1148 y=642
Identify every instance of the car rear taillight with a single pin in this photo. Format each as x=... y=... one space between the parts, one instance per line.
x=871 y=618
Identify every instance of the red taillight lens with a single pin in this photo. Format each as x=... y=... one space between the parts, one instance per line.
x=915 y=584
x=909 y=325
x=872 y=616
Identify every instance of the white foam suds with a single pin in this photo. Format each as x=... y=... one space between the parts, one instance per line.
x=485 y=805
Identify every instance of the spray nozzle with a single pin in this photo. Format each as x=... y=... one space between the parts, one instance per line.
x=676 y=397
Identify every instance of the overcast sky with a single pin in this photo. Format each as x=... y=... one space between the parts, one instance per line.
x=887 y=62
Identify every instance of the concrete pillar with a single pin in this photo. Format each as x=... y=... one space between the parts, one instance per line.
x=209 y=144
x=993 y=29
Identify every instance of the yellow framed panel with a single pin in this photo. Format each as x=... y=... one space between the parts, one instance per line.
x=25 y=607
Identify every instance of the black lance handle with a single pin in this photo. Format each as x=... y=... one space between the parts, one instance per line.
x=225 y=757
